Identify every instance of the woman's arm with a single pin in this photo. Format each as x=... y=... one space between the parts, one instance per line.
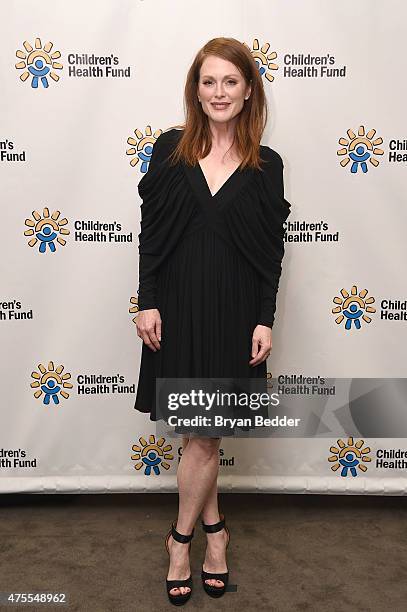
x=147 y=279
x=270 y=285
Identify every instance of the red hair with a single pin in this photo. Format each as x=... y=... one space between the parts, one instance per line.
x=195 y=142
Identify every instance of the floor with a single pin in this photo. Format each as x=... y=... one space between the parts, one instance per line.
x=287 y=552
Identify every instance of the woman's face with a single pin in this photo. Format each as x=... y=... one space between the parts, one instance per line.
x=221 y=89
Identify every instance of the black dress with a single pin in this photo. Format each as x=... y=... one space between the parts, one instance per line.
x=211 y=265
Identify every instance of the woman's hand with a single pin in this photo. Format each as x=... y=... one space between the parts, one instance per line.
x=148 y=323
x=261 y=344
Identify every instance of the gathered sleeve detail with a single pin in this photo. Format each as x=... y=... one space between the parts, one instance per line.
x=256 y=226
x=164 y=216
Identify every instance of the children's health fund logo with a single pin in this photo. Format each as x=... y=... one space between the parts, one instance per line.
x=141 y=147
x=349 y=458
x=50 y=383
x=46 y=230
x=360 y=149
x=352 y=308
x=152 y=455
x=40 y=63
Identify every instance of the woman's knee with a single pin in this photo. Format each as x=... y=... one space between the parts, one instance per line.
x=208 y=447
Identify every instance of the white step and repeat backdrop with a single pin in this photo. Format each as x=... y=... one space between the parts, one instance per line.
x=86 y=87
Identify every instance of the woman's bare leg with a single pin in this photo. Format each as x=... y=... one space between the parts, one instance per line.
x=197 y=471
x=215 y=556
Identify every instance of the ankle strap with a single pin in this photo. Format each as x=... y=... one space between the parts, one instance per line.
x=179 y=536
x=216 y=526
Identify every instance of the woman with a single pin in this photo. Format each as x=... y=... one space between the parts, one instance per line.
x=211 y=246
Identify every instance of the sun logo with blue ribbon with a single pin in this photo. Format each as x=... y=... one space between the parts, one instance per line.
x=353 y=308
x=39 y=63
x=359 y=149
x=46 y=230
x=142 y=147
x=152 y=455
x=350 y=457
x=50 y=383
x=263 y=58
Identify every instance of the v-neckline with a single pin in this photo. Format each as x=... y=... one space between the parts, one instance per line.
x=225 y=194
x=213 y=195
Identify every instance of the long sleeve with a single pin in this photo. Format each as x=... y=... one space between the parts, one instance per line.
x=165 y=212
x=270 y=285
x=147 y=261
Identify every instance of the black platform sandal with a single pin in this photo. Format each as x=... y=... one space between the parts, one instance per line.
x=178 y=600
x=215 y=591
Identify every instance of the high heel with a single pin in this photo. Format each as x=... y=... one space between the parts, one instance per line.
x=215 y=591
x=179 y=600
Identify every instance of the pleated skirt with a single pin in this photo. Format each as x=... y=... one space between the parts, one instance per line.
x=209 y=299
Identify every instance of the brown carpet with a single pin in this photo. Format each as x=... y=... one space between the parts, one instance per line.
x=287 y=552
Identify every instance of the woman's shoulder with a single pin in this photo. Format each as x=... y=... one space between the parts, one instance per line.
x=159 y=171
x=167 y=138
x=270 y=155
x=272 y=174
